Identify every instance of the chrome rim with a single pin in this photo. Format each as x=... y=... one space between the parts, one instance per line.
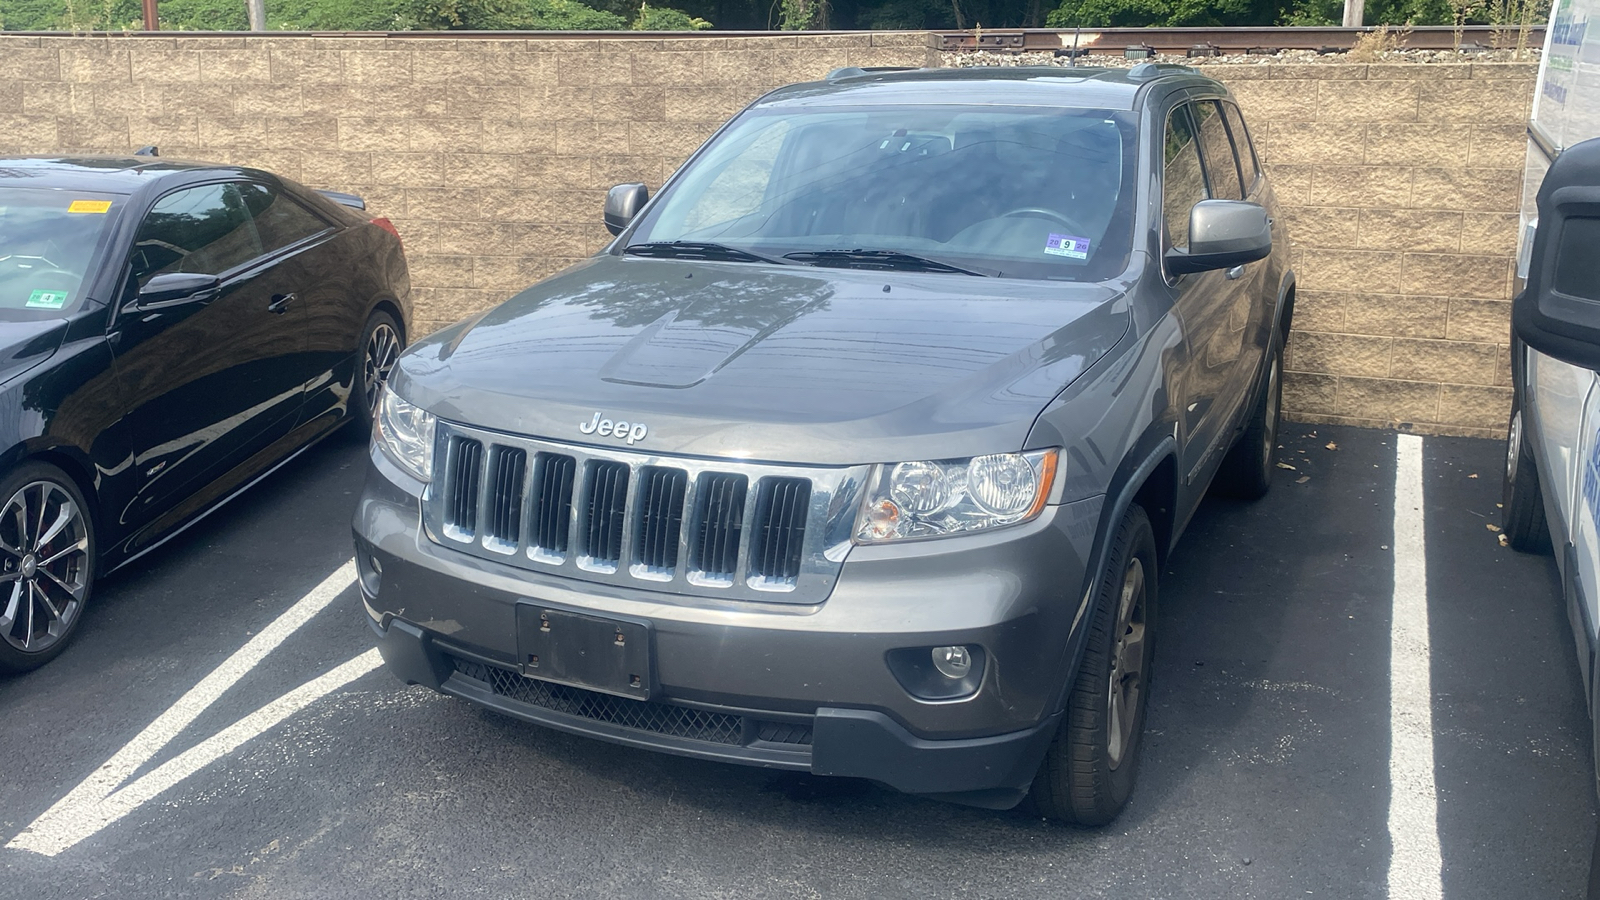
x=1127 y=663
x=383 y=346
x=44 y=566
x=1513 y=443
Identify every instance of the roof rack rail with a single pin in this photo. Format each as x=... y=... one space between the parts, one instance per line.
x=1154 y=70
x=858 y=71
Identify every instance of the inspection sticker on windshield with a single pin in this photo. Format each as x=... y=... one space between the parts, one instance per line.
x=1067 y=245
x=47 y=300
x=89 y=206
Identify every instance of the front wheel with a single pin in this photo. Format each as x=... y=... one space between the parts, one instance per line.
x=1089 y=771
x=1521 y=502
x=47 y=564
x=380 y=347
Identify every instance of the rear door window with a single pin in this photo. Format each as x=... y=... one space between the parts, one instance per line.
x=279 y=220
x=1222 y=170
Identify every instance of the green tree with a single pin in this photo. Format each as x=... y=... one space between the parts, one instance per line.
x=663 y=18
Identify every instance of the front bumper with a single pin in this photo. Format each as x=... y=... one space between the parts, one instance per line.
x=777 y=685
x=991 y=772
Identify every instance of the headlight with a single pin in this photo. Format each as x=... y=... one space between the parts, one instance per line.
x=931 y=498
x=405 y=432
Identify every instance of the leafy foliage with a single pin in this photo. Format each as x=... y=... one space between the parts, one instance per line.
x=662 y=18
x=694 y=15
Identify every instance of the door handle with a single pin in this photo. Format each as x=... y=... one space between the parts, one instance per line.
x=1234 y=274
x=280 y=303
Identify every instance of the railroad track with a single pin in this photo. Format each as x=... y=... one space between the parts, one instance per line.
x=1094 y=41
x=1117 y=41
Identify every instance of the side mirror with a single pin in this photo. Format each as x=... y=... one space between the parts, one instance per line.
x=174 y=288
x=623 y=202
x=1558 y=311
x=1223 y=234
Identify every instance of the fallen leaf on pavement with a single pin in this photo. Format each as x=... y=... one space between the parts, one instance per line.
x=1492 y=527
x=1473 y=475
x=1504 y=542
x=1284 y=465
x=1302 y=479
x=1332 y=446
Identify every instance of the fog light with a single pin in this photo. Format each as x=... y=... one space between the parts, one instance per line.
x=952 y=662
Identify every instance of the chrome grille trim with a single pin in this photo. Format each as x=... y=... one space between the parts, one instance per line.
x=462 y=476
x=656 y=539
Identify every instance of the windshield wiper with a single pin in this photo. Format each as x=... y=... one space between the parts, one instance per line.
x=877 y=259
x=698 y=250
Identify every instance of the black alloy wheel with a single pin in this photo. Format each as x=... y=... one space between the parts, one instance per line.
x=381 y=343
x=47 y=564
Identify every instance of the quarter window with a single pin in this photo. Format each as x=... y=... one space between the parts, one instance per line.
x=280 y=221
x=203 y=229
x=1183 y=182
x=1222 y=170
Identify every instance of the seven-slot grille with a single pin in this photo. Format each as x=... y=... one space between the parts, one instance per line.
x=594 y=515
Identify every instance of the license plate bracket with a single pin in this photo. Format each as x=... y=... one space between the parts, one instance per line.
x=600 y=653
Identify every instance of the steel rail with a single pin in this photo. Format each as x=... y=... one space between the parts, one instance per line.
x=1101 y=41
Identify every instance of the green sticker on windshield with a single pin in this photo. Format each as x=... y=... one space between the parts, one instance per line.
x=47 y=299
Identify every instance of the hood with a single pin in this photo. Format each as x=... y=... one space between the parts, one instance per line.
x=24 y=345
x=764 y=362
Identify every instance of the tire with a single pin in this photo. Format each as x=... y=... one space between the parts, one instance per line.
x=381 y=343
x=1521 y=501
x=1246 y=472
x=46 y=570
x=1088 y=773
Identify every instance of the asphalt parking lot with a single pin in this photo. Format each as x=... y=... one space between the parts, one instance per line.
x=1267 y=770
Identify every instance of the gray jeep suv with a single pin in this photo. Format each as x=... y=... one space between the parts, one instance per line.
x=859 y=450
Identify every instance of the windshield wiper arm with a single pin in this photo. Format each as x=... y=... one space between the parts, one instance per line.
x=877 y=259
x=702 y=250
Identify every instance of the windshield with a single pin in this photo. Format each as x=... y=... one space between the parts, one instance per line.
x=47 y=241
x=1014 y=192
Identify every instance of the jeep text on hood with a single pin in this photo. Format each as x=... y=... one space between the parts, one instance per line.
x=778 y=364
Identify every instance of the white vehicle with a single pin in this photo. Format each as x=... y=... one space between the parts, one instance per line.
x=1552 y=485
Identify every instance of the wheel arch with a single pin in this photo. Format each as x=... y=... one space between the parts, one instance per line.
x=1283 y=317
x=388 y=304
x=1148 y=476
x=76 y=465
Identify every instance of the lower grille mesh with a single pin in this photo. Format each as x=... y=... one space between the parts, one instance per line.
x=656 y=718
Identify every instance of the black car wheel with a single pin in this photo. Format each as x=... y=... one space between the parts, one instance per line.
x=47 y=563
x=1521 y=502
x=1246 y=471
x=381 y=344
x=1089 y=771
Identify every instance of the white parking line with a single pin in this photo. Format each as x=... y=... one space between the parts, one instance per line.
x=99 y=800
x=1414 y=861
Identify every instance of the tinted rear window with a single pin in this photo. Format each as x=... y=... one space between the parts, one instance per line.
x=48 y=240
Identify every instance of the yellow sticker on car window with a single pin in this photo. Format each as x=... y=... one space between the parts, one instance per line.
x=89 y=206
